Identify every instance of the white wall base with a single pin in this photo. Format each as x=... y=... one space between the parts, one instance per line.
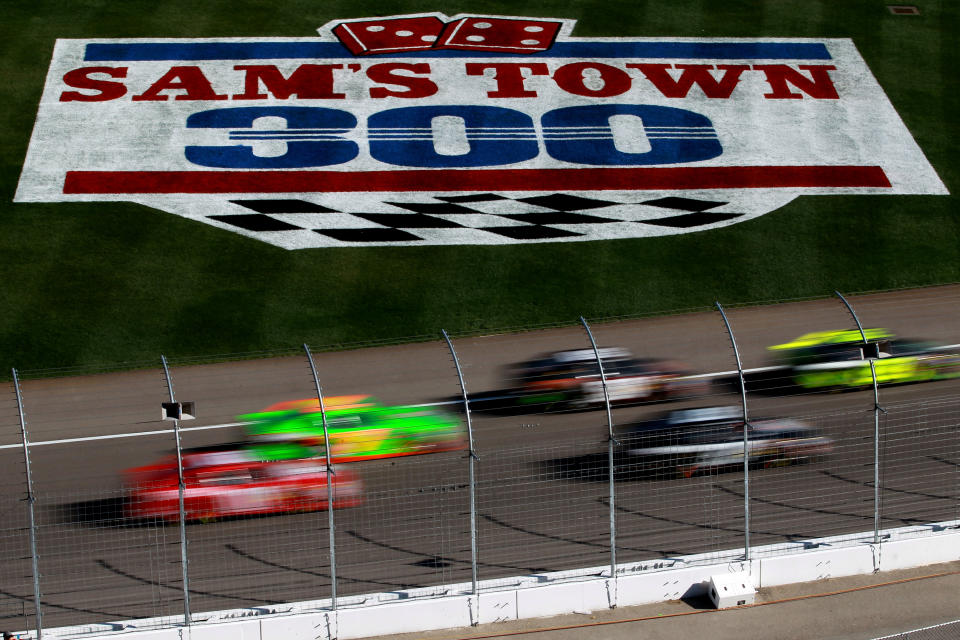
x=543 y=595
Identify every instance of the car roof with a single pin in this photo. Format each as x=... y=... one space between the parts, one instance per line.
x=682 y=418
x=606 y=353
x=844 y=336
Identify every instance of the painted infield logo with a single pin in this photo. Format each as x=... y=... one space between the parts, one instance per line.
x=420 y=130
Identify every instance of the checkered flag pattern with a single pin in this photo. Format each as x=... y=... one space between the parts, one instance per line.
x=476 y=218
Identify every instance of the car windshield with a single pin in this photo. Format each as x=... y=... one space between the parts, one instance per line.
x=577 y=363
x=825 y=353
x=220 y=478
x=903 y=347
x=706 y=414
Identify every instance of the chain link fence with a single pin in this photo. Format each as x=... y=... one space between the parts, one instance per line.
x=586 y=446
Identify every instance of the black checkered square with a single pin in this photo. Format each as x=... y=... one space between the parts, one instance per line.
x=433 y=207
x=476 y=197
x=557 y=217
x=283 y=206
x=408 y=220
x=532 y=232
x=256 y=222
x=683 y=204
x=566 y=202
x=690 y=220
x=373 y=235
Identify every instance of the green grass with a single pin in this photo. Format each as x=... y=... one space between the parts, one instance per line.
x=100 y=283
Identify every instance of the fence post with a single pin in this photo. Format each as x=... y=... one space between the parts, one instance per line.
x=31 y=499
x=611 y=442
x=746 y=442
x=330 y=473
x=181 y=487
x=472 y=457
x=877 y=410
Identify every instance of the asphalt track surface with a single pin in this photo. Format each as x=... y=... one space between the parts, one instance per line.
x=542 y=495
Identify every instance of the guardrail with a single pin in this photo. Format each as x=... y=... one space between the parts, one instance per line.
x=551 y=594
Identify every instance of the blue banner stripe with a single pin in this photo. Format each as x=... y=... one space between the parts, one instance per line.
x=133 y=51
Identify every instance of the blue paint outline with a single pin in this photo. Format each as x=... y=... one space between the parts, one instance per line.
x=300 y=50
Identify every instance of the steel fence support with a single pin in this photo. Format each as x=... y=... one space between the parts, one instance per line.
x=181 y=487
x=611 y=442
x=746 y=441
x=472 y=457
x=877 y=410
x=330 y=473
x=31 y=500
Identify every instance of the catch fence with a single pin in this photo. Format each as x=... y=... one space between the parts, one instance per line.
x=568 y=461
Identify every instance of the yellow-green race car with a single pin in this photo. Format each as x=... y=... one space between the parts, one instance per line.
x=841 y=359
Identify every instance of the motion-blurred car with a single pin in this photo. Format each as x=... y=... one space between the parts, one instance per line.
x=228 y=481
x=572 y=379
x=841 y=359
x=688 y=441
x=358 y=429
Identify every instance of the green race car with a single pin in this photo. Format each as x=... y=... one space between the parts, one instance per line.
x=358 y=428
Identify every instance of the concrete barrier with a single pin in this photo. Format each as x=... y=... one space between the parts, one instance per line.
x=548 y=594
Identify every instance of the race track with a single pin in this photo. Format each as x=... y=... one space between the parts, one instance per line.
x=542 y=495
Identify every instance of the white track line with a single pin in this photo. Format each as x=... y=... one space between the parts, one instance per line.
x=717 y=374
x=124 y=435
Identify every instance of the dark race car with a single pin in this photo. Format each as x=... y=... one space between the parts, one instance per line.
x=227 y=481
x=685 y=442
x=571 y=379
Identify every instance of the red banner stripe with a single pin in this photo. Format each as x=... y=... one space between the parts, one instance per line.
x=628 y=179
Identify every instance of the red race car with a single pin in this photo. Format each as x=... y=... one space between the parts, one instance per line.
x=222 y=482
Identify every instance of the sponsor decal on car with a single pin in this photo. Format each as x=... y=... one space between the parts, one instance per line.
x=431 y=130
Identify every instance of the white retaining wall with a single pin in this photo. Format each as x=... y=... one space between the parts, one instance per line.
x=542 y=595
